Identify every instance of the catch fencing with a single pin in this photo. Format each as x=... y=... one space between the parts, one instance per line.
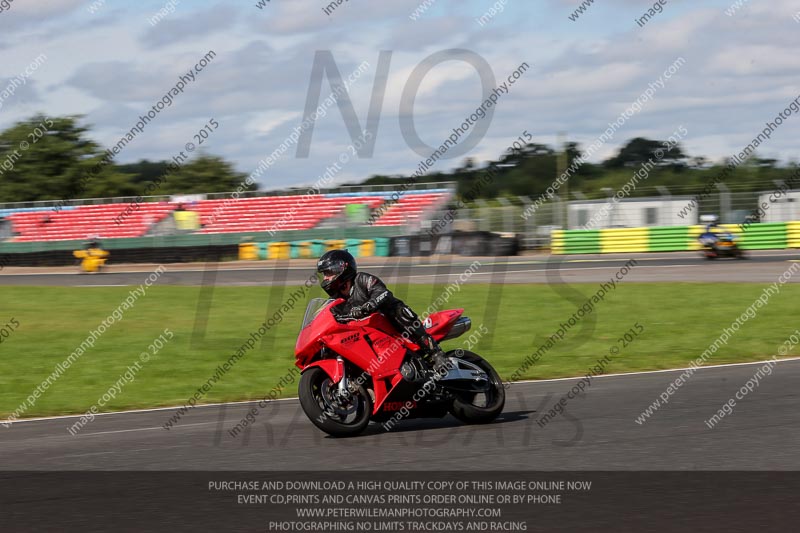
x=658 y=222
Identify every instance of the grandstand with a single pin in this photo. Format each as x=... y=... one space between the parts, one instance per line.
x=86 y=221
x=114 y=218
x=275 y=212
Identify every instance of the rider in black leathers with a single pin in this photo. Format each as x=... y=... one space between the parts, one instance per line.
x=366 y=294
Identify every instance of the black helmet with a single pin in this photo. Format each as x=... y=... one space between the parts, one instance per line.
x=336 y=267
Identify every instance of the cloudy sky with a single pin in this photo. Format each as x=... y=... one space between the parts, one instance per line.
x=105 y=60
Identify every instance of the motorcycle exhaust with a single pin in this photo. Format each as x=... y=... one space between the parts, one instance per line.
x=461 y=326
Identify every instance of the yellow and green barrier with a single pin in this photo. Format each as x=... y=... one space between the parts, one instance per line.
x=670 y=238
x=793 y=234
x=248 y=251
x=576 y=241
x=770 y=236
x=302 y=250
x=278 y=250
x=624 y=240
x=334 y=244
x=367 y=248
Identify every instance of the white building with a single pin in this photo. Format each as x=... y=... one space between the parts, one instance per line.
x=779 y=206
x=632 y=212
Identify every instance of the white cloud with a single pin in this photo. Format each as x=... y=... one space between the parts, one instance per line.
x=111 y=66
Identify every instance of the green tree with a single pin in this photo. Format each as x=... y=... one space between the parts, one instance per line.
x=639 y=150
x=50 y=159
x=144 y=170
x=204 y=174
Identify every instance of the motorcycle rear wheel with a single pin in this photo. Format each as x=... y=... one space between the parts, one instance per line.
x=338 y=418
x=466 y=406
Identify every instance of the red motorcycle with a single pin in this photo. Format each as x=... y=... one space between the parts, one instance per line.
x=357 y=371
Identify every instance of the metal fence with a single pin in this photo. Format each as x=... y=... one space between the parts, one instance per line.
x=532 y=223
x=682 y=208
x=293 y=191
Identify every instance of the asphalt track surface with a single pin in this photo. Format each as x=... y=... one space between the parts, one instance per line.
x=761 y=267
x=597 y=432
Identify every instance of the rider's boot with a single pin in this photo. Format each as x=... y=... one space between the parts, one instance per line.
x=435 y=354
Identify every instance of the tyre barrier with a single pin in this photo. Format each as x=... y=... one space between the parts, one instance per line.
x=312 y=249
x=465 y=243
x=185 y=250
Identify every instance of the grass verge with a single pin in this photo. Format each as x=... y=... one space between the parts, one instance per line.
x=680 y=321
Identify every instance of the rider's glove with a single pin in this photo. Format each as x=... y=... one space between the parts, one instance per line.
x=361 y=311
x=343 y=319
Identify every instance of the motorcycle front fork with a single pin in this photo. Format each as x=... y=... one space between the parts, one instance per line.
x=343 y=383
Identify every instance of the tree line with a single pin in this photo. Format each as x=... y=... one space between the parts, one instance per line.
x=50 y=158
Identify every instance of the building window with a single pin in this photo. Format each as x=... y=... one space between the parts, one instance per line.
x=650 y=216
x=583 y=217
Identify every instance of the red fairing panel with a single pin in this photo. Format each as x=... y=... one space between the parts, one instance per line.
x=441 y=322
x=332 y=367
x=372 y=345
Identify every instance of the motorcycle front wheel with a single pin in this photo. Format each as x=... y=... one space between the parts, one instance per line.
x=328 y=410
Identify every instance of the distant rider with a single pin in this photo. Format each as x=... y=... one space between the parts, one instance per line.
x=710 y=236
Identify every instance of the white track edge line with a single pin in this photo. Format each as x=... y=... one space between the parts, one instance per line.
x=417 y=265
x=148 y=410
x=641 y=372
x=623 y=374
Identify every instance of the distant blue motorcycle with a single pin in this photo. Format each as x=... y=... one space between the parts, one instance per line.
x=720 y=244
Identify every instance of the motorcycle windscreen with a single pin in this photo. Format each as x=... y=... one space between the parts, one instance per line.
x=315 y=305
x=308 y=331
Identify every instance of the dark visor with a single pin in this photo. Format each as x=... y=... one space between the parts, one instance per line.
x=334 y=269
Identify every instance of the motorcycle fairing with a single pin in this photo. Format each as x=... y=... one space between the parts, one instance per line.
x=439 y=324
x=372 y=344
x=333 y=367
